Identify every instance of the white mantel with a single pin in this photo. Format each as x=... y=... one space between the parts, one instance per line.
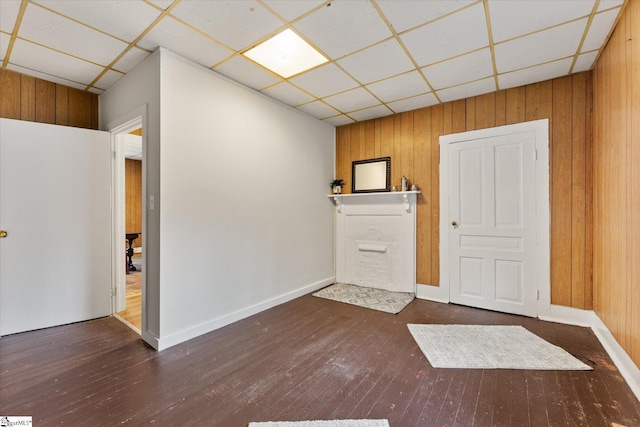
x=376 y=239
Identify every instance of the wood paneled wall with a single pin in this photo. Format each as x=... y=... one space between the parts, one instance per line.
x=411 y=139
x=29 y=98
x=616 y=174
x=133 y=197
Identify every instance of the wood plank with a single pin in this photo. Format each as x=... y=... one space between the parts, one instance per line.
x=485 y=110
x=589 y=193
x=79 y=108
x=470 y=114
x=368 y=136
x=422 y=178
x=27 y=98
x=62 y=105
x=407 y=141
x=501 y=108
x=437 y=130
x=10 y=99
x=561 y=192
x=95 y=113
x=515 y=105
x=343 y=157
x=133 y=198
x=45 y=101
x=458 y=116
x=578 y=192
x=396 y=157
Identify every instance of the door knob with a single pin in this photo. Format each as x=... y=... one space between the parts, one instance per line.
x=454 y=224
x=3 y=234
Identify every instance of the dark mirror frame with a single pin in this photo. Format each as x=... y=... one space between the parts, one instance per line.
x=359 y=166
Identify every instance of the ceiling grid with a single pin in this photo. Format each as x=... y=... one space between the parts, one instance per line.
x=384 y=56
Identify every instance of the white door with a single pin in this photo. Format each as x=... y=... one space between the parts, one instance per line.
x=55 y=261
x=492 y=230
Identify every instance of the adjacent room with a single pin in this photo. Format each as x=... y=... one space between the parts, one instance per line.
x=320 y=213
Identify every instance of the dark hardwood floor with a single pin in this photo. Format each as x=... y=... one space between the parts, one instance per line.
x=306 y=359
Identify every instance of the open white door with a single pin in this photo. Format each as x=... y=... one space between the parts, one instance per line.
x=55 y=262
x=495 y=256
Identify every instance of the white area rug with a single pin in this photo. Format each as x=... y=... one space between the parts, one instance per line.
x=330 y=423
x=490 y=347
x=376 y=299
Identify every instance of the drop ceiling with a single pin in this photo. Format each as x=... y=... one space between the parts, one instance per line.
x=385 y=56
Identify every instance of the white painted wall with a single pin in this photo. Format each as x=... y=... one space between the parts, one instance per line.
x=139 y=91
x=245 y=220
x=242 y=218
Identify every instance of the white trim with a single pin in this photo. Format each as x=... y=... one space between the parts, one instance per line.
x=543 y=253
x=588 y=318
x=432 y=293
x=203 y=328
x=133 y=119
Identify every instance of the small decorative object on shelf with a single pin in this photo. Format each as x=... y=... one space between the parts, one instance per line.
x=414 y=187
x=394 y=188
x=336 y=186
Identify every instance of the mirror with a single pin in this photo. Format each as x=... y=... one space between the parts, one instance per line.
x=371 y=175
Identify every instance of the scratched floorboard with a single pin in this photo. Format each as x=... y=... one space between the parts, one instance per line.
x=306 y=359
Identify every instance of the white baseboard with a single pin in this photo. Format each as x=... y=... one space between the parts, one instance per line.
x=589 y=318
x=212 y=325
x=432 y=293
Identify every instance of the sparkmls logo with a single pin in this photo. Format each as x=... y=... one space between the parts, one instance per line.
x=11 y=421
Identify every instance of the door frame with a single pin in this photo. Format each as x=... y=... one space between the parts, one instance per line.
x=542 y=265
x=118 y=129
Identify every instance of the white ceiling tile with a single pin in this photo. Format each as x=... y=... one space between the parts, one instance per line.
x=109 y=78
x=399 y=87
x=174 y=36
x=558 y=42
x=133 y=57
x=325 y=80
x=246 y=72
x=287 y=94
x=291 y=10
x=585 y=61
x=44 y=76
x=123 y=19
x=465 y=68
x=514 y=18
x=608 y=4
x=599 y=30
x=238 y=24
x=467 y=90
x=355 y=99
x=318 y=109
x=344 y=27
x=47 y=61
x=8 y=13
x=403 y=15
x=55 y=31
x=339 y=120
x=535 y=74
x=371 y=113
x=4 y=44
x=461 y=32
x=413 y=103
x=162 y=4
x=378 y=62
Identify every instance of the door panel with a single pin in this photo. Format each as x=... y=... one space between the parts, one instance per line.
x=55 y=263
x=492 y=234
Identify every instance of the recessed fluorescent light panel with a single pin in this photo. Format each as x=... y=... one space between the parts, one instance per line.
x=286 y=54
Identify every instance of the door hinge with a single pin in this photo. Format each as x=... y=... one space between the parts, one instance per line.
x=535 y=154
x=114 y=291
x=113 y=154
x=538 y=295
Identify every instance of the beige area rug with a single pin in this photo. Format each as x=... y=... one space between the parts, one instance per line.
x=490 y=347
x=376 y=299
x=328 y=423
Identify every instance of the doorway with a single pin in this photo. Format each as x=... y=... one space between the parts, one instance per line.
x=494 y=218
x=128 y=238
